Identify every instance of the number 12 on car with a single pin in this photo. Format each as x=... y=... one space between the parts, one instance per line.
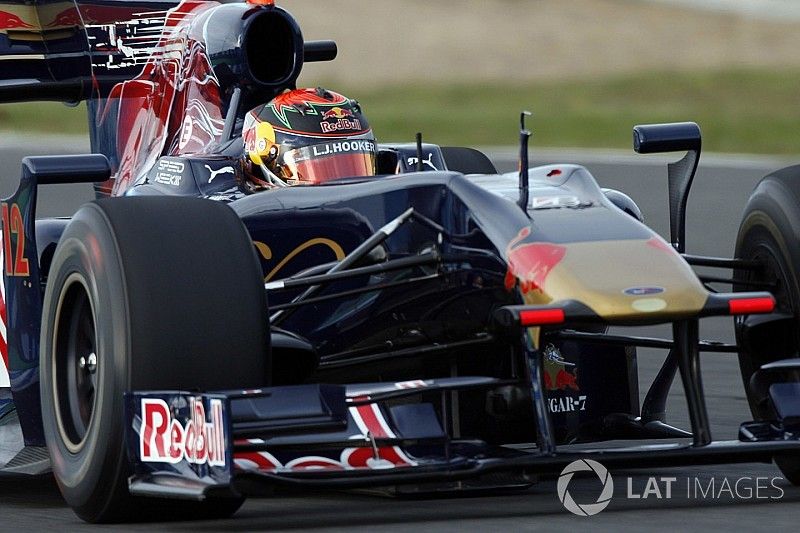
x=16 y=264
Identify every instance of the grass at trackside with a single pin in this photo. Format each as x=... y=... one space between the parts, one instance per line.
x=44 y=117
x=738 y=111
x=747 y=110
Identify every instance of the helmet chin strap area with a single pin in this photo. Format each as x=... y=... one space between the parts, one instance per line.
x=271 y=177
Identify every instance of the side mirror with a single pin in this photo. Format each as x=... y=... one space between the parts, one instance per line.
x=53 y=169
x=674 y=137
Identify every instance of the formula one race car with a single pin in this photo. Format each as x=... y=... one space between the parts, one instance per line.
x=426 y=314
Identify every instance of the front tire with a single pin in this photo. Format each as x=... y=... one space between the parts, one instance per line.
x=770 y=235
x=143 y=294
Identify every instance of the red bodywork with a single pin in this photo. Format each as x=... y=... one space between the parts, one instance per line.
x=172 y=107
x=530 y=263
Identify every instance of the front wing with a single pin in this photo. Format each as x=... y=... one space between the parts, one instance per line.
x=190 y=446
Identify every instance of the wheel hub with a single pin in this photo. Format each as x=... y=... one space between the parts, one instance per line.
x=75 y=363
x=88 y=363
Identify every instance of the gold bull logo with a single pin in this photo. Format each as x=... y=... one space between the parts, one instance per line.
x=266 y=253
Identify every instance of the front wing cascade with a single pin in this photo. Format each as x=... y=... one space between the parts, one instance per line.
x=194 y=445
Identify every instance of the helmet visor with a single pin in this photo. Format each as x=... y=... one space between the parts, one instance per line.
x=322 y=162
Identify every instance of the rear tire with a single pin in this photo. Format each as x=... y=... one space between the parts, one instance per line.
x=770 y=234
x=143 y=294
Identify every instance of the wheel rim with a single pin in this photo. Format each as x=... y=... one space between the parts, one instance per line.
x=773 y=271
x=76 y=366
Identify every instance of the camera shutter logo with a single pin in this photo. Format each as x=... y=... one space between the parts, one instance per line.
x=585 y=509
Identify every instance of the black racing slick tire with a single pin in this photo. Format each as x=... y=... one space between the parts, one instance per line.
x=147 y=293
x=770 y=236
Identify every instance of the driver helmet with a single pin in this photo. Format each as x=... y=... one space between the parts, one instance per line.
x=308 y=137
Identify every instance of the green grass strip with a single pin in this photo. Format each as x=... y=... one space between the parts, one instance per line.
x=742 y=110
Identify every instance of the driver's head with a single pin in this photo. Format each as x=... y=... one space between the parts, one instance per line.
x=308 y=136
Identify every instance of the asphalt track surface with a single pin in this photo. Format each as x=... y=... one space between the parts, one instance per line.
x=721 y=189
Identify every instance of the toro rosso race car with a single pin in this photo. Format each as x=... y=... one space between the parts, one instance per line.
x=227 y=317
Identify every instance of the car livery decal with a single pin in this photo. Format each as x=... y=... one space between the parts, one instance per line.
x=530 y=263
x=266 y=254
x=643 y=291
x=163 y=439
x=370 y=421
x=368 y=418
x=4 y=377
x=614 y=278
x=413 y=384
x=12 y=21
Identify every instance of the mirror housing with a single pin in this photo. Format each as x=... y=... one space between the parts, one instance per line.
x=54 y=169
x=673 y=137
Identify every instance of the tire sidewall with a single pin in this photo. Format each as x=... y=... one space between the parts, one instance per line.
x=169 y=314
x=82 y=475
x=771 y=223
x=774 y=207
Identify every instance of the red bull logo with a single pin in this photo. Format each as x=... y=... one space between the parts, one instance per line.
x=10 y=21
x=559 y=374
x=563 y=380
x=68 y=17
x=336 y=113
x=163 y=439
x=530 y=263
x=339 y=119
